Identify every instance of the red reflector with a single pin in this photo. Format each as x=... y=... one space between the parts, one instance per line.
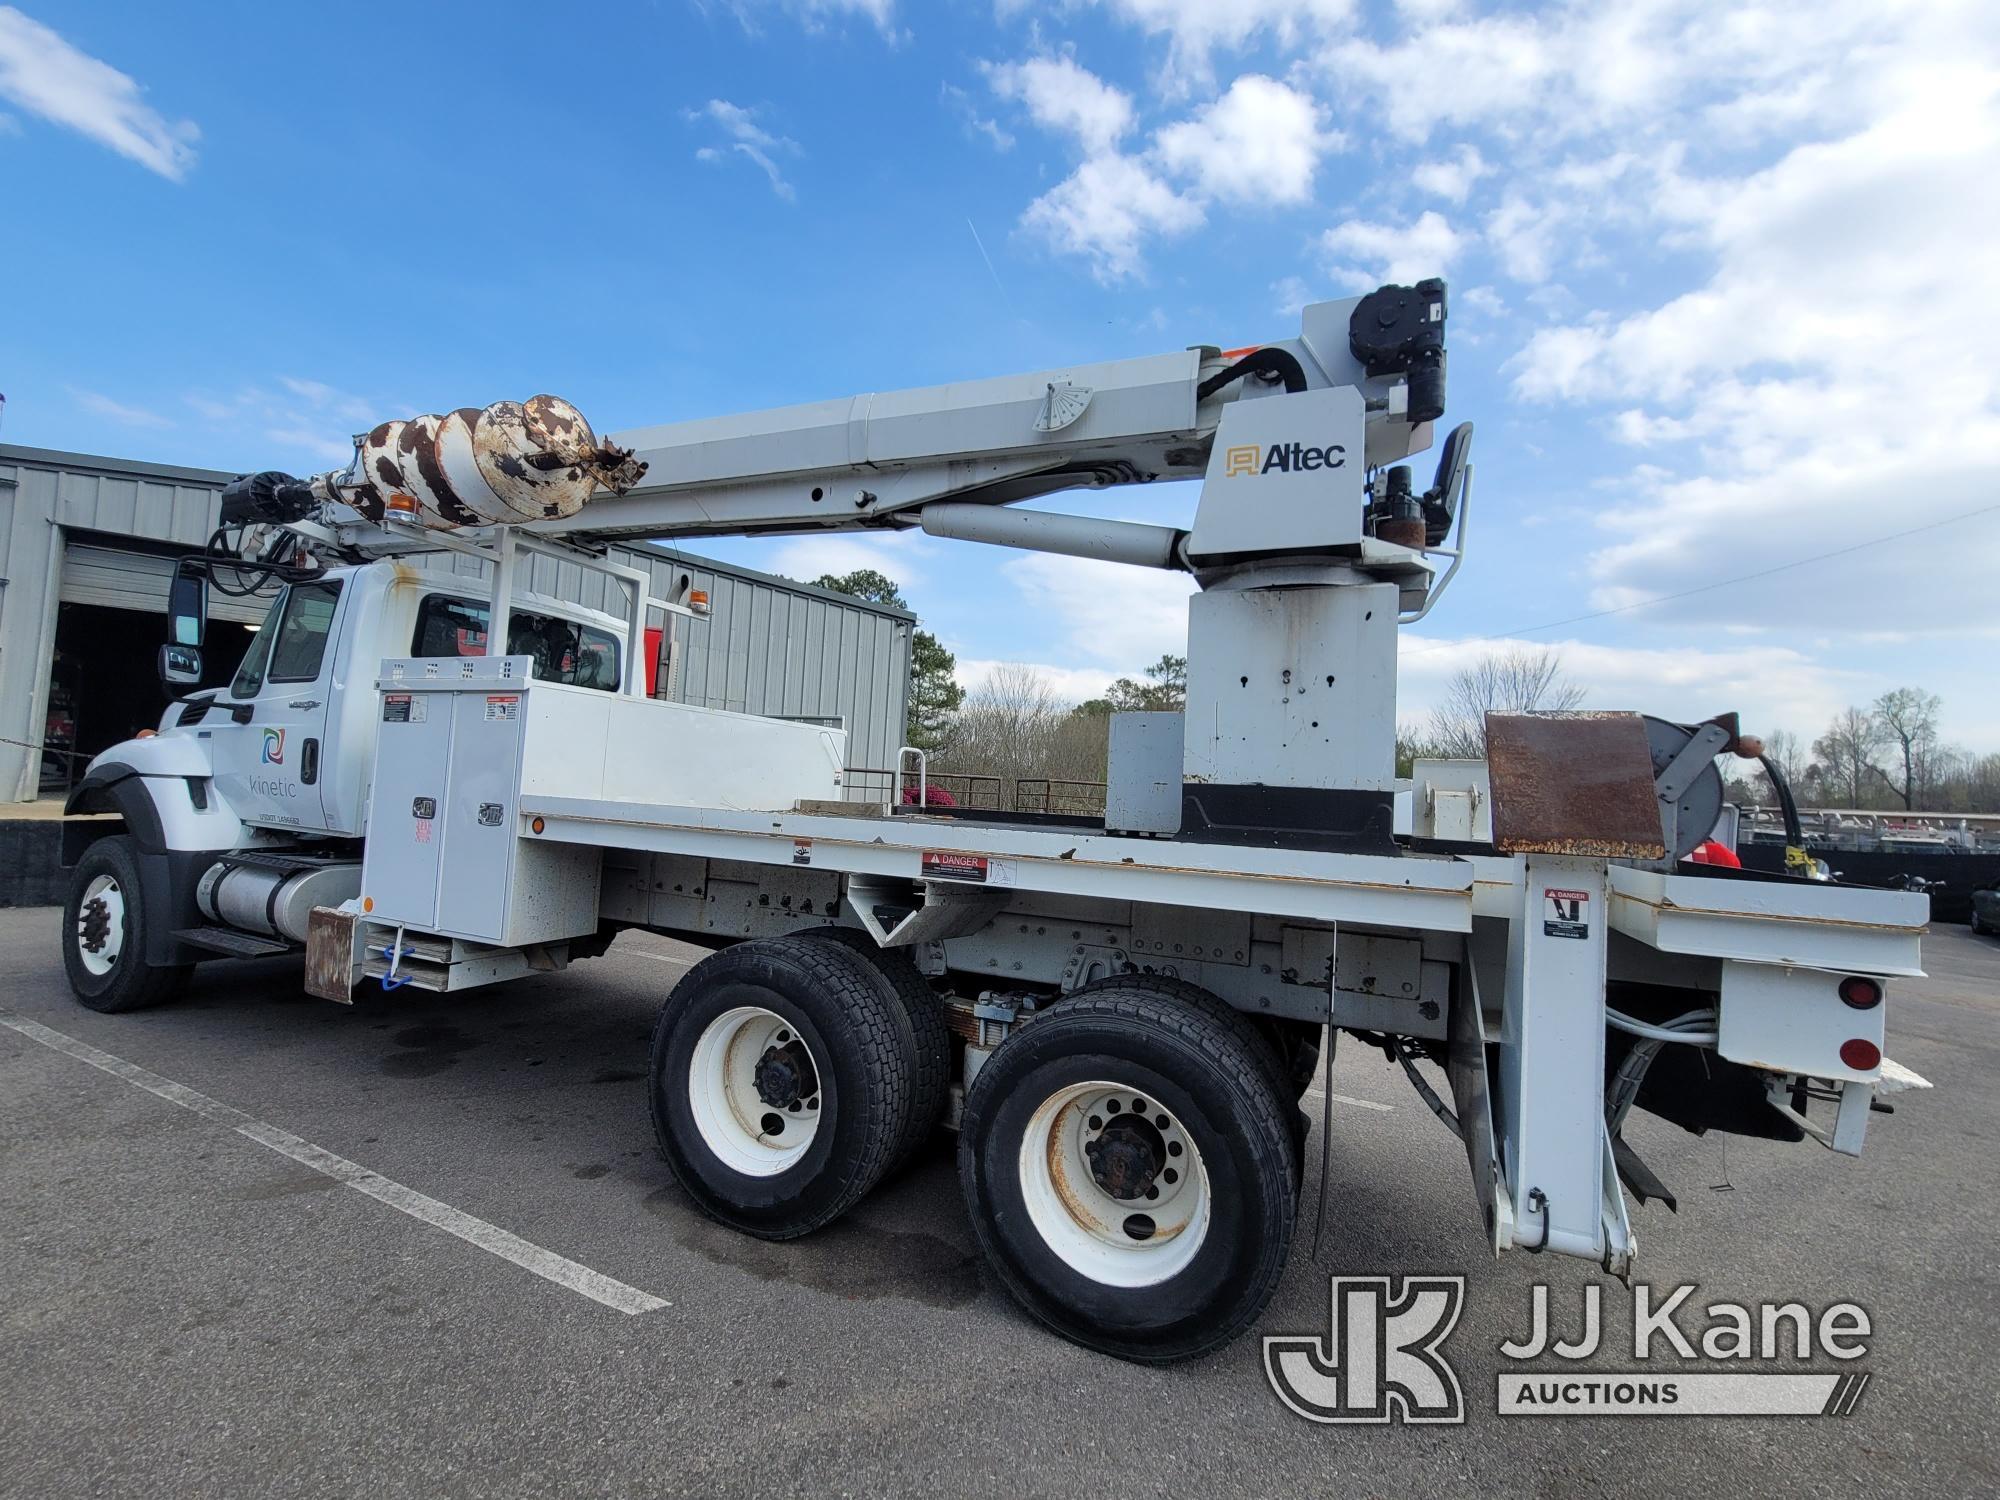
x=1860 y=992
x=1861 y=1055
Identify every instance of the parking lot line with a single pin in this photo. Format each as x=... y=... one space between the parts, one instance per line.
x=474 y=1231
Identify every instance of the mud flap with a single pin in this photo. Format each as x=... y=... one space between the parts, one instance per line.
x=332 y=959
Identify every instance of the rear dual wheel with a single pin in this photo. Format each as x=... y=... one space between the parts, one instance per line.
x=1130 y=1171
x=782 y=1083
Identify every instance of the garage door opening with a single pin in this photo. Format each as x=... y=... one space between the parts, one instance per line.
x=104 y=685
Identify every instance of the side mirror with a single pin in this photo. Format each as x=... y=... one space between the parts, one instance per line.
x=180 y=666
x=187 y=607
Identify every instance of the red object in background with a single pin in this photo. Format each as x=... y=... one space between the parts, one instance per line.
x=652 y=661
x=934 y=796
x=1710 y=852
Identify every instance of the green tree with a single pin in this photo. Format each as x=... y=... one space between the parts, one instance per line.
x=934 y=691
x=1164 y=690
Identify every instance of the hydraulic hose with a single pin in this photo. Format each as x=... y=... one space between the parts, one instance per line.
x=1797 y=861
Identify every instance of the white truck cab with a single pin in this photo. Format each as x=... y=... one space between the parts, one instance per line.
x=289 y=741
x=277 y=762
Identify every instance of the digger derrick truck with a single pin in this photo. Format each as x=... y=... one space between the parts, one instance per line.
x=417 y=779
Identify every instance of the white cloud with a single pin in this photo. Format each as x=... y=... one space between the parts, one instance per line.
x=117 y=411
x=1292 y=294
x=1772 y=686
x=1196 y=29
x=1065 y=98
x=1068 y=684
x=748 y=139
x=1106 y=210
x=960 y=103
x=295 y=422
x=46 y=76
x=1260 y=142
x=898 y=554
x=815 y=15
x=1836 y=295
x=1366 y=254
x=1113 y=617
x=1451 y=178
x=1483 y=300
x=1621 y=67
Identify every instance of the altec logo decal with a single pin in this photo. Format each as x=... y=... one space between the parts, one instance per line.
x=1285 y=458
x=274 y=747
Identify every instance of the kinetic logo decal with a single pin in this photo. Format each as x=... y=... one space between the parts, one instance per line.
x=274 y=747
x=1252 y=459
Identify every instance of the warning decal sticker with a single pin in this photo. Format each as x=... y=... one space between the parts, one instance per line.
x=802 y=851
x=1565 y=914
x=940 y=864
x=503 y=706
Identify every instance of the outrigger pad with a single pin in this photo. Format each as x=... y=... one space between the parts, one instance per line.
x=1573 y=783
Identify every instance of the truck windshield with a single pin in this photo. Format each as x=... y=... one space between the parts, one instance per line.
x=563 y=650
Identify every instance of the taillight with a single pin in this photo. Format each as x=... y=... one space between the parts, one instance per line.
x=1861 y=1055
x=1860 y=992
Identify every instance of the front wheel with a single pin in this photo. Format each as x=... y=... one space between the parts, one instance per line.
x=1130 y=1174
x=104 y=933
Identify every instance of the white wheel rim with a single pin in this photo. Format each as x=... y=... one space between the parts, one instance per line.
x=100 y=925
x=750 y=1133
x=1137 y=1223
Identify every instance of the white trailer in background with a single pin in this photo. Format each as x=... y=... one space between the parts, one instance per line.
x=1119 y=1014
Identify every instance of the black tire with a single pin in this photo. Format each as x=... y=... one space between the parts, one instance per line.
x=1299 y=1046
x=930 y=1038
x=1190 y=1065
x=127 y=982
x=1254 y=1036
x=857 y=1038
x=1978 y=926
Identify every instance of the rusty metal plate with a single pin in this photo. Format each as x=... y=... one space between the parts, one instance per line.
x=1573 y=783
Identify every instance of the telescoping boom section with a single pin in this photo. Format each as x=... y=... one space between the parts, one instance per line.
x=1121 y=1015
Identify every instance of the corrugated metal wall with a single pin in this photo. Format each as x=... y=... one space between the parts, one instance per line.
x=769 y=646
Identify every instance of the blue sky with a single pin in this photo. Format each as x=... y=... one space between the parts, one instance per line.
x=1721 y=275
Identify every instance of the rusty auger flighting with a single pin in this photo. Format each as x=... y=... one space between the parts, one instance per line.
x=510 y=463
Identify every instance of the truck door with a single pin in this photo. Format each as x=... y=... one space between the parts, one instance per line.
x=267 y=738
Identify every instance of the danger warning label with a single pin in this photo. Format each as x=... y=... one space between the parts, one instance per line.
x=1565 y=914
x=939 y=864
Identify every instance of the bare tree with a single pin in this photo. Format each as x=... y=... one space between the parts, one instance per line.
x=1846 y=755
x=1787 y=752
x=1907 y=721
x=1523 y=679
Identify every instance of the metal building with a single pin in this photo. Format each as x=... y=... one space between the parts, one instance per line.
x=87 y=547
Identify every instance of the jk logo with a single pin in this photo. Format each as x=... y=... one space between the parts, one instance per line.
x=1379 y=1359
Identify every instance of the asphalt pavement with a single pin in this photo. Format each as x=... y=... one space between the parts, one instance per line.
x=256 y=1244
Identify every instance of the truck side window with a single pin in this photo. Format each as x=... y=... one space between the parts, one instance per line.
x=301 y=644
x=563 y=650
x=249 y=679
